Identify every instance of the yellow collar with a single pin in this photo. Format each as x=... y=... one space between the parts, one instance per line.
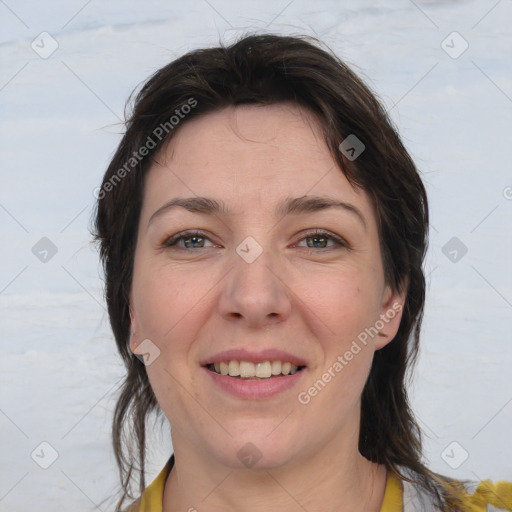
x=498 y=495
x=151 y=499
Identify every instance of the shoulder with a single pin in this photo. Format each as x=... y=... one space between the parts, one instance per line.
x=151 y=498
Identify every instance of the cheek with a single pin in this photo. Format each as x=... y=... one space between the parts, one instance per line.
x=355 y=300
x=176 y=390
x=169 y=304
x=164 y=300
x=348 y=307
x=350 y=303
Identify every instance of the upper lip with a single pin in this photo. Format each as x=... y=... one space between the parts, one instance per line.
x=261 y=356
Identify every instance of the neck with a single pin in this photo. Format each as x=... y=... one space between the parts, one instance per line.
x=335 y=479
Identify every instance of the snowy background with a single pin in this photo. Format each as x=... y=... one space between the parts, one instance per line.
x=450 y=95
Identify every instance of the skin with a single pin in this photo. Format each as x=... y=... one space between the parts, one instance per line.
x=310 y=301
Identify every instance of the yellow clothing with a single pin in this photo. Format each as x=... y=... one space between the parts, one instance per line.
x=486 y=495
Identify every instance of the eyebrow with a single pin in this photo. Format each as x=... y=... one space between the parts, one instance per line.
x=290 y=206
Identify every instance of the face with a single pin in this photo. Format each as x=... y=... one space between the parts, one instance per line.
x=272 y=281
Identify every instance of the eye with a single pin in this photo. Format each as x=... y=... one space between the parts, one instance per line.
x=319 y=238
x=191 y=240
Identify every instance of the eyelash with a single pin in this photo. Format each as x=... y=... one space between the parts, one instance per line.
x=340 y=243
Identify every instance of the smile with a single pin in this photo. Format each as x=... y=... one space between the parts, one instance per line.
x=249 y=370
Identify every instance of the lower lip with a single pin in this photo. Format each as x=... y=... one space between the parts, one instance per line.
x=255 y=389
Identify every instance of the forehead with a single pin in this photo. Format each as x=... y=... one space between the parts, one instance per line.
x=249 y=157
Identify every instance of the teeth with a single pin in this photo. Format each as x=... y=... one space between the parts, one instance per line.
x=263 y=370
x=247 y=370
x=234 y=368
x=276 y=367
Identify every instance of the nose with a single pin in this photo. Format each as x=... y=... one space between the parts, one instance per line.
x=255 y=293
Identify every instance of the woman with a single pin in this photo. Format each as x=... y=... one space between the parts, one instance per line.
x=262 y=230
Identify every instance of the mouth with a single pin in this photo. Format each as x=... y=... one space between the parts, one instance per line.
x=247 y=370
x=251 y=375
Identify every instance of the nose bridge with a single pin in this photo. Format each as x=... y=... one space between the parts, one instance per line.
x=254 y=288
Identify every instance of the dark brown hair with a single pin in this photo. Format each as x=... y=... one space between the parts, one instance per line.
x=266 y=69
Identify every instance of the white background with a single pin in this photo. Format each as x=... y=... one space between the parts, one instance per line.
x=60 y=123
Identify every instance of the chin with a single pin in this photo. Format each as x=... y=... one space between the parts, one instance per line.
x=262 y=447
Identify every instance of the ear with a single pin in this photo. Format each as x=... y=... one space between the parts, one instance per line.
x=390 y=315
